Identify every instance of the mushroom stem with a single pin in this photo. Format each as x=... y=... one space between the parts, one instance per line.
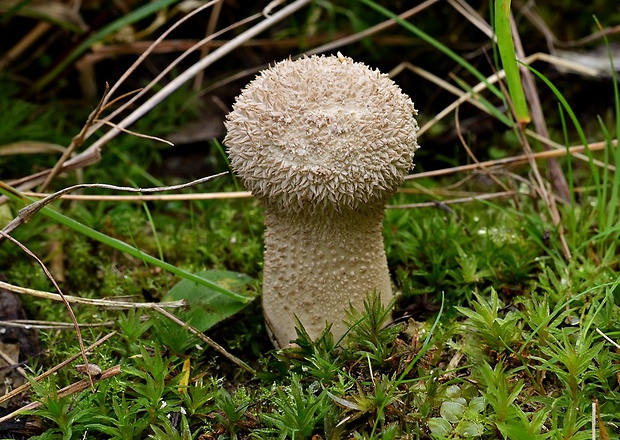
x=317 y=267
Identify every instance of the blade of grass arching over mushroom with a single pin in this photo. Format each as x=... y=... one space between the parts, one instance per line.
x=509 y=60
x=126 y=20
x=433 y=42
x=122 y=246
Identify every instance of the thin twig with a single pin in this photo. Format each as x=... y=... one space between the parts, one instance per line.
x=136 y=134
x=74 y=388
x=529 y=86
x=77 y=141
x=26 y=386
x=144 y=198
x=42 y=325
x=206 y=339
x=106 y=302
x=62 y=296
x=29 y=211
x=608 y=339
x=12 y=362
x=434 y=204
x=513 y=160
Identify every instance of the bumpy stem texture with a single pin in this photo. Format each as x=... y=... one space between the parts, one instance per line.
x=316 y=265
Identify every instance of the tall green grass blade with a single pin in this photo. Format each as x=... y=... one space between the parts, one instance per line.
x=433 y=42
x=132 y=17
x=124 y=247
x=509 y=60
x=570 y=175
x=149 y=217
x=613 y=202
x=578 y=128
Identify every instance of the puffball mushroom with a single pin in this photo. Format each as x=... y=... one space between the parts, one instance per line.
x=322 y=142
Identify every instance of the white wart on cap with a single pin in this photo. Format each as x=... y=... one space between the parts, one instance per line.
x=322 y=142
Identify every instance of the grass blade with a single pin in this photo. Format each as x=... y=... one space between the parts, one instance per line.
x=509 y=60
x=130 y=250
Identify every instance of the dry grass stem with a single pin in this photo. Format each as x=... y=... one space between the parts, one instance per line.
x=200 y=335
x=59 y=294
x=96 y=302
x=17 y=391
x=512 y=160
x=30 y=147
x=76 y=142
x=136 y=134
x=74 y=388
x=12 y=362
x=145 y=197
x=29 y=211
x=437 y=203
x=608 y=339
x=469 y=96
x=46 y=325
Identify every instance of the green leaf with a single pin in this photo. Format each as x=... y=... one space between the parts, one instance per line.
x=207 y=306
x=469 y=429
x=439 y=427
x=452 y=410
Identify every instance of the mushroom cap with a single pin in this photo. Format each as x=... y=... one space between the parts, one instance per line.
x=321 y=132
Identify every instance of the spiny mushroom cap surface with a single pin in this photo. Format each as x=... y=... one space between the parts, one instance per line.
x=321 y=132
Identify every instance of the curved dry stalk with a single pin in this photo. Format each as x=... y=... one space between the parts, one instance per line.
x=471 y=154
x=349 y=39
x=74 y=388
x=60 y=295
x=470 y=96
x=200 y=335
x=92 y=153
x=30 y=147
x=17 y=391
x=77 y=141
x=43 y=325
x=29 y=211
x=169 y=67
x=435 y=204
x=147 y=198
x=136 y=134
x=513 y=160
x=105 y=303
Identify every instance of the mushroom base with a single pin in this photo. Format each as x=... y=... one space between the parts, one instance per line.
x=318 y=266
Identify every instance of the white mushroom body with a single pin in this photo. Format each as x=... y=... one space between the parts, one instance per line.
x=322 y=142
